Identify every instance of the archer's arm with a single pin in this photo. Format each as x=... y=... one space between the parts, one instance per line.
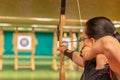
x=74 y=56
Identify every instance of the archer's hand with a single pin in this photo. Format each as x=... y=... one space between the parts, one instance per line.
x=62 y=48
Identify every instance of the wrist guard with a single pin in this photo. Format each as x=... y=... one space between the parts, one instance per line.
x=68 y=54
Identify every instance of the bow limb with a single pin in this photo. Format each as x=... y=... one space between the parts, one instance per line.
x=62 y=71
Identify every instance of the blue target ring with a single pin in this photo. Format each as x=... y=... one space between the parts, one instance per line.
x=24 y=42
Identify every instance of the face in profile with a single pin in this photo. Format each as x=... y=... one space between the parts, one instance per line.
x=86 y=40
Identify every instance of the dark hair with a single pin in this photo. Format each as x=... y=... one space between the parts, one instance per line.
x=98 y=27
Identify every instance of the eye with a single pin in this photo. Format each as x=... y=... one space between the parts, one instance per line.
x=82 y=39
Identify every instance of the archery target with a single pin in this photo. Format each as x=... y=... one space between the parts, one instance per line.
x=67 y=42
x=24 y=42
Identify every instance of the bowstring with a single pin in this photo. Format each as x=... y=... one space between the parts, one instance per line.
x=79 y=13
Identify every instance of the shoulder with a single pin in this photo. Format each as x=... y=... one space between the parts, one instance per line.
x=107 y=38
x=109 y=42
x=105 y=41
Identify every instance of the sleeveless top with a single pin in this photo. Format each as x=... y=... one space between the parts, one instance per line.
x=90 y=73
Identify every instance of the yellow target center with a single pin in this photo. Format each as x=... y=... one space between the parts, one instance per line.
x=24 y=42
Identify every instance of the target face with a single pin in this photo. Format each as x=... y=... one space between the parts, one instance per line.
x=24 y=42
x=67 y=42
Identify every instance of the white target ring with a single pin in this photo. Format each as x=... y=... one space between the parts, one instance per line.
x=24 y=42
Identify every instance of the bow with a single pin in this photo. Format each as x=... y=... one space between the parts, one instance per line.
x=59 y=33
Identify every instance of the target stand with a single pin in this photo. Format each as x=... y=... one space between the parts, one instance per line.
x=24 y=42
x=1 y=46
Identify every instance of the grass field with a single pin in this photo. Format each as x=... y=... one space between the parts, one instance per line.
x=43 y=69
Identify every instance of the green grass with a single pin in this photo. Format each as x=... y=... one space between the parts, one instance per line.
x=43 y=70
